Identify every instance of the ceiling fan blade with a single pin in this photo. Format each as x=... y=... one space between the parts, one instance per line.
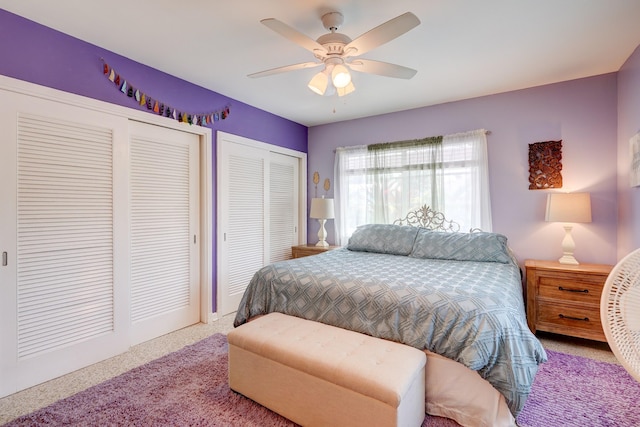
x=382 y=34
x=295 y=36
x=382 y=68
x=285 y=69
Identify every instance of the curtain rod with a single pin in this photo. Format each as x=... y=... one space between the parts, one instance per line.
x=486 y=132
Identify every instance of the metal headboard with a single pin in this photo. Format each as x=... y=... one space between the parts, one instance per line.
x=426 y=217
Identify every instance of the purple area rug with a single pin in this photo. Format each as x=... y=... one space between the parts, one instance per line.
x=573 y=391
x=189 y=388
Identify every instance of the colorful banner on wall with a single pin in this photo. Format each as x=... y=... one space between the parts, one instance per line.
x=159 y=107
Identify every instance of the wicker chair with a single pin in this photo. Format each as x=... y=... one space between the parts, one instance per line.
x=620 y=312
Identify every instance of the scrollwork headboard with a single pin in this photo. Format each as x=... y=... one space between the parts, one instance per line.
x=426 y=217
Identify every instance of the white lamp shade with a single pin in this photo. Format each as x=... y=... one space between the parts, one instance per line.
x=319 y=83
x=321 y=208
x=340 y=76
x=568 y=207
x=342 y=91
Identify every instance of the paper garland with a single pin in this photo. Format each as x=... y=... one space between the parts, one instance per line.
x=159 y=107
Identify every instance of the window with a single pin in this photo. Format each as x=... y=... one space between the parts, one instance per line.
x=380 y=183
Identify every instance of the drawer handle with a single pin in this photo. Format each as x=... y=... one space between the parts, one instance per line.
x=583 y=319
x=584 y=291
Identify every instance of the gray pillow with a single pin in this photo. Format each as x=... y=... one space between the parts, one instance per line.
x=479 y=246
x=383 y=238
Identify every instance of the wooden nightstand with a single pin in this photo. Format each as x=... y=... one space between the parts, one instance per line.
x=306 y=250
x=565 y=299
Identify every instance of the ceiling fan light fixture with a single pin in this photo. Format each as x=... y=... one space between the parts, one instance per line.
x=319 y=83
x=342 y=91
x=340 y=76
x=333 y=48
x=331 y=90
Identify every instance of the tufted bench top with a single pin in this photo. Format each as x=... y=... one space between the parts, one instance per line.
x=380 y=369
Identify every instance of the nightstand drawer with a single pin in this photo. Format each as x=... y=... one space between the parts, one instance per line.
x=570 y=289
x=565 y=318
x=565 y=299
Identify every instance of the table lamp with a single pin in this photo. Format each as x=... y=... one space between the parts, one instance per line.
x=322 y=210
x=568 y=208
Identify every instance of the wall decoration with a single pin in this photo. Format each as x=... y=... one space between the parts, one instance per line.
x=634 y=173
x=316 y=180
x=545 y=165
x=159 y=107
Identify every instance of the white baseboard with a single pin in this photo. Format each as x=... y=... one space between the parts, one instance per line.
x=213 y=317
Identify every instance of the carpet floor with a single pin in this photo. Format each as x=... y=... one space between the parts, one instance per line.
x=189 y=387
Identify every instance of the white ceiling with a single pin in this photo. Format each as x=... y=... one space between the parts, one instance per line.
x=462 y=48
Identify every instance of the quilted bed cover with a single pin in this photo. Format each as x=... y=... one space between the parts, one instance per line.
x=470 y=312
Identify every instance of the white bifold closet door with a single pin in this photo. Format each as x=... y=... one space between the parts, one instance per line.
x=258 y=214
x=99 y=236
x=63 y=290
x=283 y=206
x=165 y=236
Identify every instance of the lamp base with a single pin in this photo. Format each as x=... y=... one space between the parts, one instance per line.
x=568 y=246
x=568 y=259
x=322 y=235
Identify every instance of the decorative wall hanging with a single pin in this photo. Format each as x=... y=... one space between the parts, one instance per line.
x=545 y=165
x=159 y=107
x=316 y=180
x=634 y=173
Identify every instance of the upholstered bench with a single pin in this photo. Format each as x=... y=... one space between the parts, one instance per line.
x=319 y=375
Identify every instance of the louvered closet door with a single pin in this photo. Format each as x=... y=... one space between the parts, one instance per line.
x=63 y=297
x=242 y=220
x=258 y=193
x=165 y=237
x=283 y=206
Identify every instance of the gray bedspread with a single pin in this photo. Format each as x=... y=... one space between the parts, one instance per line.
x=470 y=312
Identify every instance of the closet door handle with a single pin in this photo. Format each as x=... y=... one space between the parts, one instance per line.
x=5 y=259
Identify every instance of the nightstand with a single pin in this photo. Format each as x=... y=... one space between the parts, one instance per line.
x=565 y=299
x=306 y=250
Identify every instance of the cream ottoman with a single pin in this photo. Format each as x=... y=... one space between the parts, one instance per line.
x=319 y=375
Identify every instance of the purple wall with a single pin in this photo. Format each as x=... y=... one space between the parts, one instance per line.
x=628 y=125
x=37 y=54
x=580 y=112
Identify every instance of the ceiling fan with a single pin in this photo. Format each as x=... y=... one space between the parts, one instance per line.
x=338 y=53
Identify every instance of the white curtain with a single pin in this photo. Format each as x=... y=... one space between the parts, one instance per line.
x=349 y=192
x=467 y=196
x=380 y=183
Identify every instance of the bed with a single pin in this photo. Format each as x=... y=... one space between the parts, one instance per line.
x=457 y=296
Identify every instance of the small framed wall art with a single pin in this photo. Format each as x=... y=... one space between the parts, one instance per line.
x=545 y=165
